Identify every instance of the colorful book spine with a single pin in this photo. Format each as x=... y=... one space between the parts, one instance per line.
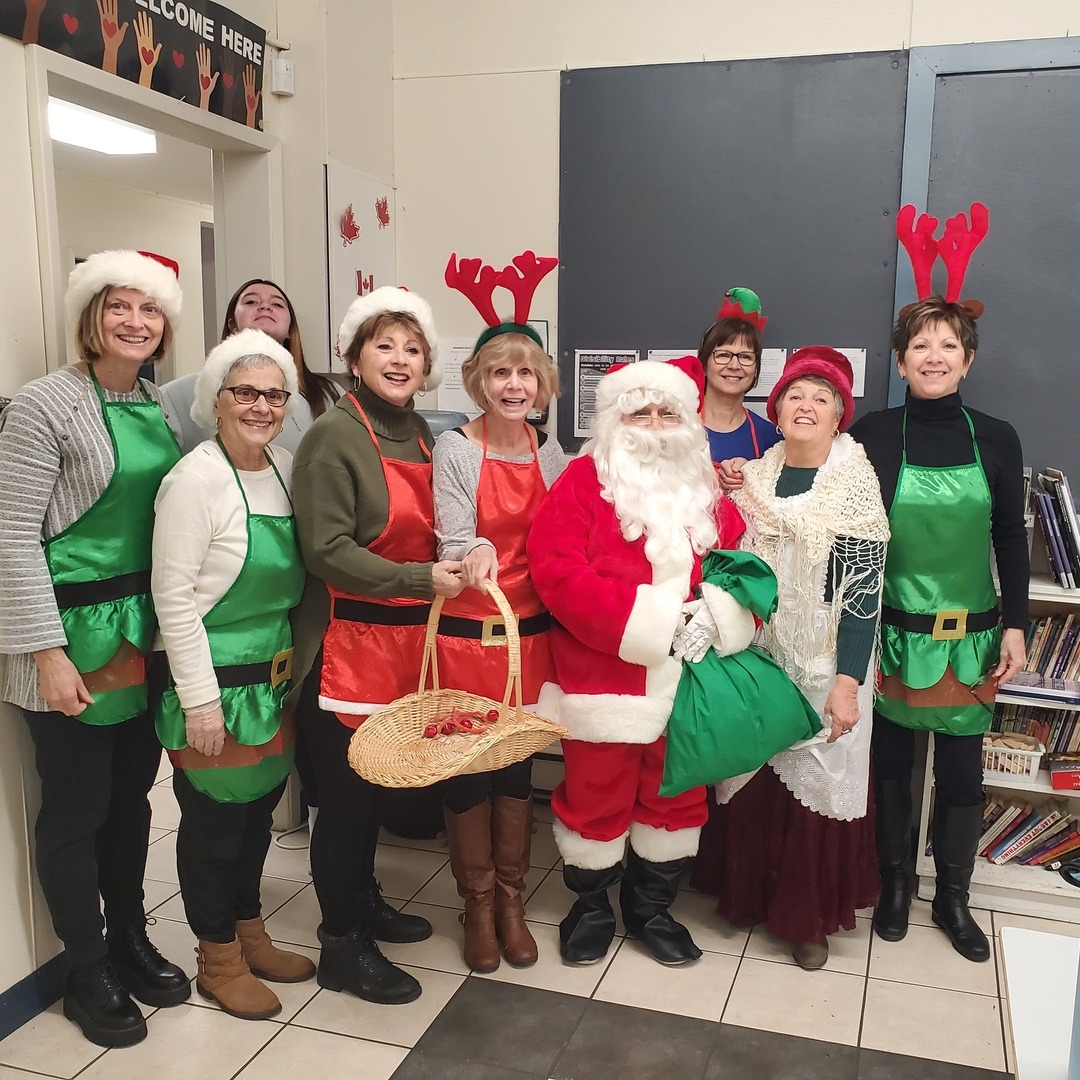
x=1066 y=847
x=1045 y=818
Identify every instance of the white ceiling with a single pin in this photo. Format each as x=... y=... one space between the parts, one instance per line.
x=179 y=169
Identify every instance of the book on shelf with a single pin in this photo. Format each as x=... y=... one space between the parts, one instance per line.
x=1032 y=684
x=1055 y=545
x=1014 y=808
x=1064 y=772
x=1067 y=846
x=1019 y=826
x=1035 y=824
x=1053 y=836
x=1056 y=484
x=1057 y=729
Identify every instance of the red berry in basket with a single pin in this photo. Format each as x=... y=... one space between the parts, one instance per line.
x=466 y=723
x=431 y=731
x=447 y=728
x=492 y=715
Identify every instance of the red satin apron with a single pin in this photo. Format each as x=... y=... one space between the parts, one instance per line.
x=508 y=495
x=373 y=647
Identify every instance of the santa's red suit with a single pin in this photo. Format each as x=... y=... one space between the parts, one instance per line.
x=615 y=614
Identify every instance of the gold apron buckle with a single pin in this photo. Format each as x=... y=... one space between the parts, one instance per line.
x=281 y=668
x=950 y=625
x=488 y=635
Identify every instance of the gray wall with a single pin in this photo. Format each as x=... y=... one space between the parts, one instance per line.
x=679 y=181
x=1012 y=141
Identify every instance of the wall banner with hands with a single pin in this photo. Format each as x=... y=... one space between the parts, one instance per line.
x=192 y=50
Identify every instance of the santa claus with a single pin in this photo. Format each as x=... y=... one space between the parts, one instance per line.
x=615 y=554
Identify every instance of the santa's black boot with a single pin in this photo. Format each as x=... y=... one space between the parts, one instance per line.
x=647 y=893
x=956 y=839
x=585 y=935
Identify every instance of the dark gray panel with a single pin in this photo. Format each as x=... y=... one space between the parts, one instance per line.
x=1012 y=141
x=679 y=181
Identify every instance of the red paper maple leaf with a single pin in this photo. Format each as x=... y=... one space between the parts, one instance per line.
x=350 y=231
x=382 y=212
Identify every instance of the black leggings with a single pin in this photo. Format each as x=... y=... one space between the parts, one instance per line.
x=93 y=827
x=958 y=771
x=220 y=852
x=342 y=846
x=462 y=793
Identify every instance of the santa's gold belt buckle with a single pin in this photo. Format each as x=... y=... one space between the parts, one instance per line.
x=950 y=625
x=488 y=633
x=281 y=668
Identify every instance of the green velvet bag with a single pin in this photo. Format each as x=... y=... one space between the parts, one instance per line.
x=732 y=713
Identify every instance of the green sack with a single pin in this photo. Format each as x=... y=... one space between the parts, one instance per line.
x=732 y=713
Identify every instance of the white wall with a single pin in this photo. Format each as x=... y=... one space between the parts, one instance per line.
x=476 y=99
x=95 y=216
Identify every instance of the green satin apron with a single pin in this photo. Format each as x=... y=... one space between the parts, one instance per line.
x=251 y=647
x=938 y=566
x=100 y=564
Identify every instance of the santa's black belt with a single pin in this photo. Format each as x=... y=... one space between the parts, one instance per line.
x=947 y=625
x=84 y=593
x=274 y=672
x=417 y=615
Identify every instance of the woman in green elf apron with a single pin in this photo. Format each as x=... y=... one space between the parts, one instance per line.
x=952 y=479
x=227 y=571
x=82 y=452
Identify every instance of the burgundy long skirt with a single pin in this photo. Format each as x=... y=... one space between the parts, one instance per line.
x=770 y=860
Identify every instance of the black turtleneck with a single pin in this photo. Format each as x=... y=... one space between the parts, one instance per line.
x=937 y=435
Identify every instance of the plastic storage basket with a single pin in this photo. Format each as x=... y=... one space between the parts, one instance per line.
x=1012 y=764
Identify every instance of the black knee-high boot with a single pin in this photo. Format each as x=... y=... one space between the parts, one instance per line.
x=956 y=839
x=893 y=798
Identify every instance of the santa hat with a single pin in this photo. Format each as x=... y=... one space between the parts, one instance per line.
x=824 y=362
x=680 y=380
x=250 y=342
x=152 y=274
x=394 y=300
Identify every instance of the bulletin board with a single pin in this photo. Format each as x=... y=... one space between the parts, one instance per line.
x=681 y=180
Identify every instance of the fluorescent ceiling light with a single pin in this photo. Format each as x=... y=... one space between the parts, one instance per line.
x=95 y=131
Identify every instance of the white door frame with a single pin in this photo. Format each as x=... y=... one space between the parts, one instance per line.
x=248 y=221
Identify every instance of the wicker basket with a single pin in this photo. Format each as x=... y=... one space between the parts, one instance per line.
x=1017 y=766
x=389 y=748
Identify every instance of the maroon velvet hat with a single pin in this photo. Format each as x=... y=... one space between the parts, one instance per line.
x=822 y=361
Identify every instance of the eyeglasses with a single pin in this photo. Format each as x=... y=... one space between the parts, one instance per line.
x=248 y=395
x=646 y=418
x=723 y=357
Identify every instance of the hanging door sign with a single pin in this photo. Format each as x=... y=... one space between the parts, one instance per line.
x=192 y=50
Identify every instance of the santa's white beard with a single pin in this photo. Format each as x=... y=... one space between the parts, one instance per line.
x=662 y=485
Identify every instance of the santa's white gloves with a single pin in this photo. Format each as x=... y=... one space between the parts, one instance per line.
x=205 y=728
x=694 y=636
x=716 y=621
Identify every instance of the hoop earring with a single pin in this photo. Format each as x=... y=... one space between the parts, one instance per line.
x=778 y=431
x=836 y=433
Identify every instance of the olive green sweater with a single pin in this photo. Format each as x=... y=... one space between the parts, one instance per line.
x=342 y=505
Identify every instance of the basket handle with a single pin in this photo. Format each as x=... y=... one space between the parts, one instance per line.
x=430 y=660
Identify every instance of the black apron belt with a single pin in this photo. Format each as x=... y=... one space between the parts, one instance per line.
x=946 y=625
x=86 y=593
x=417 y=615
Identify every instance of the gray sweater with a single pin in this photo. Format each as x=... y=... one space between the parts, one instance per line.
x=455 y=476
x=56 y=459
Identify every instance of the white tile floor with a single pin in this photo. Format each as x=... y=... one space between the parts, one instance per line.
x=874 y=994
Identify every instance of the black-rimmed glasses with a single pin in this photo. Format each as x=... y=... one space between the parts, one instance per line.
x=248 y=395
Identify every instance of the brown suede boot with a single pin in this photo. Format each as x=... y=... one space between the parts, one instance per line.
x=265 y=959
x=510 y=844
x=224 y=977
x=470 y=861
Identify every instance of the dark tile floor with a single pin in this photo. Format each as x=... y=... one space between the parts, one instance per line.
x=498 y=1031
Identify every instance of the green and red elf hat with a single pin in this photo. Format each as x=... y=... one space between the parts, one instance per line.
x=478 y=281
x=742 y=304
x=955 y=248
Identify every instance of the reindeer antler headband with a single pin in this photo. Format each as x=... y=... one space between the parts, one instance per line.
x=956 y=246
x=477 y=281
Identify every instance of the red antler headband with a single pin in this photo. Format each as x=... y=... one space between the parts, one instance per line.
x=478 y=281
x=956 y=246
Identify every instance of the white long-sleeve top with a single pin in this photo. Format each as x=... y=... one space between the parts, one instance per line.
x=200 y=543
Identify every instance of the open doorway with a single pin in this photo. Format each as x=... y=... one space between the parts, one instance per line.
x=162 y=202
